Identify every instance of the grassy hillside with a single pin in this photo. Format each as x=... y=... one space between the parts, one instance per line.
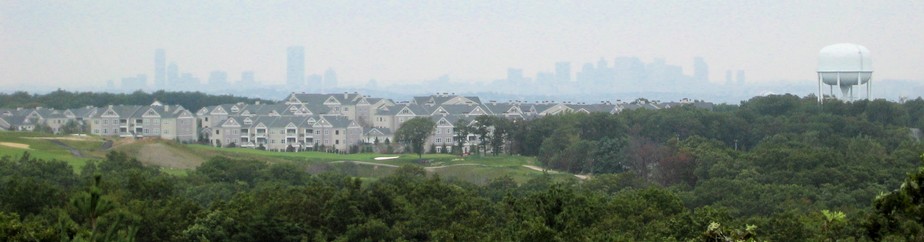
x=179 y=159
x=72 y=149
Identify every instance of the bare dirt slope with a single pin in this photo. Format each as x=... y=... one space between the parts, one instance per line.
x=163 y=155
x=159 y=153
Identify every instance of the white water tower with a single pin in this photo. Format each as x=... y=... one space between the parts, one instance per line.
x=845 y=66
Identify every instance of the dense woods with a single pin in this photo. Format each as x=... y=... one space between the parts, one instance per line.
x=775 y=168
x=61 y=99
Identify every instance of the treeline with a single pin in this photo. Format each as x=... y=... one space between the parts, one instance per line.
x=769 y=157
x=61 y=99
x=119 y=199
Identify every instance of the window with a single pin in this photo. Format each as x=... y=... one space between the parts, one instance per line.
x=147 y=131
x=96 y=131
x=105 y=121
x=105 y=131
x=438 y=140
x=326 y=131
x=438 y=131
x=336 y=132
x=216 y=131
x=318 y=132
x=96 y=121
x=206 y=119
x=337 y=142
x=346 y=109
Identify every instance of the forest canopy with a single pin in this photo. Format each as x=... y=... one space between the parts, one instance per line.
x=775 y=168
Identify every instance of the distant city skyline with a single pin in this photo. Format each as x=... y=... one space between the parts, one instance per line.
x=88 y=43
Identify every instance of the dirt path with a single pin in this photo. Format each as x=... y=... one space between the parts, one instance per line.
x=72 y=138
x=431 y=168
x=15 y=145
x=73 y=151
x=582 y=177
x=367 y=163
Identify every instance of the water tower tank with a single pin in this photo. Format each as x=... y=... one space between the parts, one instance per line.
x=844 y=65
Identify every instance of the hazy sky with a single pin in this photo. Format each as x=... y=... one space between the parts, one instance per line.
x=74 y=43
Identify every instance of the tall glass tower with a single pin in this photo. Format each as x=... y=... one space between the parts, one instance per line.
x=295 y=74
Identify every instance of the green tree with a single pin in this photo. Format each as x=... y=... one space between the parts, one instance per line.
x=414 y=133
x=461 y=130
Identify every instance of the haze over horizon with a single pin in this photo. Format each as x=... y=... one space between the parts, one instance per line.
x=84 y=43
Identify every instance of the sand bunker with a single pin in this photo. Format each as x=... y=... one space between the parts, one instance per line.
x=73 y=138
x=15 y=145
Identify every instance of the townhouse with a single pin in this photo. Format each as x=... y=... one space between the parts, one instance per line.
x=304 y=121
x=153 y=121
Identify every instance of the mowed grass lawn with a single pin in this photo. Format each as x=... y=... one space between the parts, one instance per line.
x=320 y=156
x=313 y=156
x=475 y=168
x=41 y=147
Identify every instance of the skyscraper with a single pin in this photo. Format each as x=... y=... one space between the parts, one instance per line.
x=728 y=78
x=514 y=75
x=160 y=61
x=173 y=75
x=740 y=78
x=563 y=72
x=218 y=79
x=629 y=69
x=330 y=79
x=247 y=78
x=700 y=70
x=295 y=74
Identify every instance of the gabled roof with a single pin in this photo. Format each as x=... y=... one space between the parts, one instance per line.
x=337 y=121
x=232 y=122
x=378 y=132
x=84 y=112
x=317 y=99
x=413 y=109
x=283 y=122
x=15 y=121
x=125 y=112
x=461 y=109
x=592 y=108
x=434 y=100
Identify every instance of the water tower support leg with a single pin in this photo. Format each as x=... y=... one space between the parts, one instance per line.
x=838 y=84
x=821 y=96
